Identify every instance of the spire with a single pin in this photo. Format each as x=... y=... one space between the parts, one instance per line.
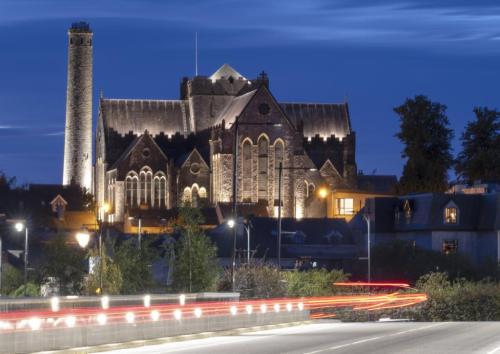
x=225 y=72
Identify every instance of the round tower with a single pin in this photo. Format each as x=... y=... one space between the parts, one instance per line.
x=78 y=133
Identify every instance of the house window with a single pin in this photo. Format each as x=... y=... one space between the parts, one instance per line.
x=345 y=206
x=450 y=246
x=450 y=215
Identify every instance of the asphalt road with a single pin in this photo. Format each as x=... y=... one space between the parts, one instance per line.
x=335 y=337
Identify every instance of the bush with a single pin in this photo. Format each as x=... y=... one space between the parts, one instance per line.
x=32 y=290
x=255 y=280
x=318 y=282
x=460 y=300
x=12 y=278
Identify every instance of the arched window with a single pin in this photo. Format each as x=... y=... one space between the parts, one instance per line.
x=278 y=158
x=263 y=177
x=194 y=196
x=159 y=190
x=310 y=188
x=145 y=192
x=131 y=187
x=186 y=196
x=203 y=193
x=247 y=169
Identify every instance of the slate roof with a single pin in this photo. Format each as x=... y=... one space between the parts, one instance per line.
x=234 y=108
x=156 y=116
x=476 y=212
x=323 y=119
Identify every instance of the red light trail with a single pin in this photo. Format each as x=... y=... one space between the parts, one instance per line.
x=47 y=319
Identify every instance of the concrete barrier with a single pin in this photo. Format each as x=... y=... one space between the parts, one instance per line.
x=28 y=338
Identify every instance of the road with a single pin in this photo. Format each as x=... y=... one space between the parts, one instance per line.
x=335 y=337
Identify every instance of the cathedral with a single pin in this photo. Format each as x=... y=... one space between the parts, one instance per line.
x=162 y=154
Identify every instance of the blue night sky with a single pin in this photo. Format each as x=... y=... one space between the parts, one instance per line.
x=375 y=53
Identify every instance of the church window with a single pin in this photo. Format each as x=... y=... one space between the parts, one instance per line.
x=263 y=177
x=131 y=186
x=145 y=192
x=278 y=158
x=157 y=193
x=146 y=153
x=264 y=109
x=203 y=193
x=195 y=168
x=186 y=196
x=194 y=196
x=247 y=169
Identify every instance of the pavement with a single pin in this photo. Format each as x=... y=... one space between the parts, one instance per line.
x=335 y=337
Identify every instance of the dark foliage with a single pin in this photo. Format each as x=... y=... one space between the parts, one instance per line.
x=424 y=130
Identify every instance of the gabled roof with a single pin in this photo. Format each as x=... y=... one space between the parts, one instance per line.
x=185 y=157
x=234 y=108
x=132 y=146
x=226 y=71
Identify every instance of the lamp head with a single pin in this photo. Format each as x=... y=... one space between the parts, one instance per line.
x=230 y=223
x=19 y=226
x=83 y=239
x=323 y=193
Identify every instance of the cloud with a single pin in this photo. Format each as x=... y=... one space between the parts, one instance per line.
x=423 y=23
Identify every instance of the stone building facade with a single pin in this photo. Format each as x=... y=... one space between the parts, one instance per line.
x=160 y=154
x=78 y=132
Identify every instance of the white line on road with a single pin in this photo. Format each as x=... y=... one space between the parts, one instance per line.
x=375 y=338
x=496 y=350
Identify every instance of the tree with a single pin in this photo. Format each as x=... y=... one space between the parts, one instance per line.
x=480 y=155
x=135 y=265
x=424 y=132
x=112 y=279
x=65 y=263
x=12 y=278
x=195 y=265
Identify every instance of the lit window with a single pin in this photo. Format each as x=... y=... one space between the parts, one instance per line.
x=450 y=246
x=450 y=215
x=345 y=206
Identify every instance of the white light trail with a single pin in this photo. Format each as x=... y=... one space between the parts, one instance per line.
x=155 y=315
x=177 y=314
x=233 y=310
x=249 y=309
x=130 y=317
x=263 y=308
x=54 y=304
x=70 y=321
x=197 y=312
x=102 y=319
x=35 y=323
x=147 y=300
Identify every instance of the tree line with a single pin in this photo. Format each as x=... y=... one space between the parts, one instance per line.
x=426 y=135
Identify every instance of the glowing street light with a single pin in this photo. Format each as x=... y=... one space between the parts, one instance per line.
x=83 y=239
x=323 y=193
x=20 y=226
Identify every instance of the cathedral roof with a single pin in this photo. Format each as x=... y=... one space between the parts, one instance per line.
x=323 y=119
x=234 y=108
x=156 y=116
x=225 y=72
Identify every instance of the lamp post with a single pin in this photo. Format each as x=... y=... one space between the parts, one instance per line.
x=368 y=243
x=20 y=226
x=232 y=224
x=280 y=177
x=236 y=125
x=139 y=229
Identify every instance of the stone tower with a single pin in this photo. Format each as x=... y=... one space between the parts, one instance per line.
x=78 y=132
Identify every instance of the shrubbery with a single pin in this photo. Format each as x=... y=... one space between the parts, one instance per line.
x=318 y=282
x=460 y=300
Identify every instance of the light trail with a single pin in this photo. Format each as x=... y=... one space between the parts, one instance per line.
x=320 y=307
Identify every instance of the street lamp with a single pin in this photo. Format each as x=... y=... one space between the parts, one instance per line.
x=280 y=177
x=232 y=224
x=366 y=217
x=139 y=229
x=20 y=226
x=83 y=239
x=236 y=125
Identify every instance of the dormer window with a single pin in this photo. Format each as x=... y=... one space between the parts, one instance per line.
x=451 y=213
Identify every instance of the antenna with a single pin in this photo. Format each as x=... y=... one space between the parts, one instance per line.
x=196 y=52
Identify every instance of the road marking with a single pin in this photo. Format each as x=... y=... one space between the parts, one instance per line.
x=380 y=337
